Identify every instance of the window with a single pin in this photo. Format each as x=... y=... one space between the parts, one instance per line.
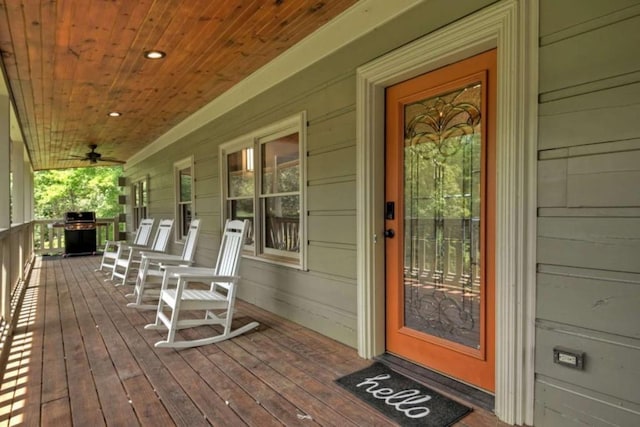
x=140 y=201
x=184 y=196
x=264 y=176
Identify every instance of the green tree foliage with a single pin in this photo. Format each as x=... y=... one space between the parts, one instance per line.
x=81 y=189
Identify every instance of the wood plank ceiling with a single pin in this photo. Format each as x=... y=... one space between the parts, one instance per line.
x=71 y=62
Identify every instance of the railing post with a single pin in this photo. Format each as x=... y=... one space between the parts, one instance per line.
x=116 y=228
x=51 y=234
x=40 y=233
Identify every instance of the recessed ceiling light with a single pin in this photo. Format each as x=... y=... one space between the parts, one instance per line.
x=114 y=114
x=154 y=54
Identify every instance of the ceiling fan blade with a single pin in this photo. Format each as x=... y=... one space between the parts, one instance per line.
x=111 y=160
x=93 y=157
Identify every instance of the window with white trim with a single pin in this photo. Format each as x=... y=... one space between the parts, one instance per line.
x=140 y=201
x=264 y=181
x=184 y=190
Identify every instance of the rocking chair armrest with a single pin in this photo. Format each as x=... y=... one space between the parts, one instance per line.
x=180 y=263
x=131 y=247
x=114 y=242
x=149 y=253
x=187 y=277
x=202 y=274
x=162 y=257
x=179 y=270
x=168 y=263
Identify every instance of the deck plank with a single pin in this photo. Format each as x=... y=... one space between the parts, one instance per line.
x=309 y=406
x=83 y=396
x=179 y=405
x=114 y=403
x=263 y=396
x=81 y=357
x=55 y=413
x=236 y=400
x=140 y=394
x=30 y=329
x=314 y=377
x=54 y=372
x=146 y=403
x=125 y=364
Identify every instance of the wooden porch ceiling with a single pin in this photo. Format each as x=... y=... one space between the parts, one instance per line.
x=69 y=63
x=81 y=357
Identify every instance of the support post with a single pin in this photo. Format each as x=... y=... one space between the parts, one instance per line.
x=5 y=206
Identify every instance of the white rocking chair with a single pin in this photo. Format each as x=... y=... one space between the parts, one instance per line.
x=217 y=302
x=152 y=264
x=129 y=255
x=110 y=254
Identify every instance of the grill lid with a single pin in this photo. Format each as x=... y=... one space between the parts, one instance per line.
x=79 y=217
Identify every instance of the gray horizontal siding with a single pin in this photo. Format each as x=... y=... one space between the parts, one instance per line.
x=600 y=243
x=585 y=56
x=610 y=362
x=566 y=405
x=588 y=283
x=591 y=118
x=326 y=301
x=590 y=298
x=564 y=18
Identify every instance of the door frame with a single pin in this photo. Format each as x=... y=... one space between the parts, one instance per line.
x=511 y=26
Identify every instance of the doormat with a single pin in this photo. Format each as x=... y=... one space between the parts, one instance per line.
x=402 y=399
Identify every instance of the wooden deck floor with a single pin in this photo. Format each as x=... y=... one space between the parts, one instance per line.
x=80 y=357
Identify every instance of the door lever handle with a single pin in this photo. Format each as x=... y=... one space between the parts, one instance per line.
x=389 y=233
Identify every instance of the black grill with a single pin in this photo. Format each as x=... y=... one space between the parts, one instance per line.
x=80 y=233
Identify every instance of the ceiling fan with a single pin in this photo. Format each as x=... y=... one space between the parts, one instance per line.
x=95 y=157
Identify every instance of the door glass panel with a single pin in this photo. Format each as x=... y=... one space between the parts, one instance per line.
x=442 y=186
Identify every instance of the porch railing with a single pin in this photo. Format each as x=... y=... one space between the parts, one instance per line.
x=48 y=234
x=16 y=256
x=15 y=252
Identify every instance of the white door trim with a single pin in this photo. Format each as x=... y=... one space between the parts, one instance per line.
x=512 y=27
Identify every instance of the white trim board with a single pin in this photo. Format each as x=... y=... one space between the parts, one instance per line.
x=350 y=25
x=511 y=26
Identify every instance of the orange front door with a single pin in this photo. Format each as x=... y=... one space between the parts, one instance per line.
x=440 y=193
